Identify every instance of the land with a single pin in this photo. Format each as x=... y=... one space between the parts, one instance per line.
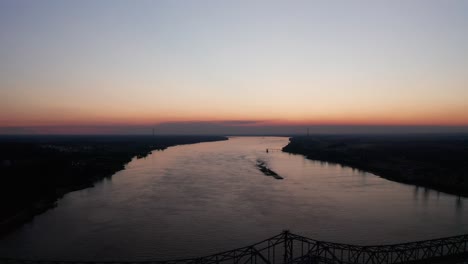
x=263 y=167
x=35 y=171
x=439 y=162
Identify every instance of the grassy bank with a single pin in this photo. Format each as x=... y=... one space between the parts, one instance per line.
x=439 y=162
x=37 y=170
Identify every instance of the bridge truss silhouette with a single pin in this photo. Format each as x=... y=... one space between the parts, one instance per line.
x=289 y=248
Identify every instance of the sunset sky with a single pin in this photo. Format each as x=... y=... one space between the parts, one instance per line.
x=123 y=66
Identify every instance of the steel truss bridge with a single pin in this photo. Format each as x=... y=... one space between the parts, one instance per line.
x=288 y=248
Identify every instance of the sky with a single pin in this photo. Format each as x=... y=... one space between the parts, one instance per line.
x=84 y=67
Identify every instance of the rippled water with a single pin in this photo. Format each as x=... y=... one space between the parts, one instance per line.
x=199 y=199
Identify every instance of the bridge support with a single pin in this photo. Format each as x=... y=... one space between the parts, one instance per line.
x=288 y=246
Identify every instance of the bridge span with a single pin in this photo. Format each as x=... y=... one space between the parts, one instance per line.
x=289 y=248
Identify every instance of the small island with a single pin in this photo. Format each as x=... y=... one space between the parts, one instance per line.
x=262 y=166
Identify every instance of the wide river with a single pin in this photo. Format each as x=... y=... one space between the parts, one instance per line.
x=199 y=199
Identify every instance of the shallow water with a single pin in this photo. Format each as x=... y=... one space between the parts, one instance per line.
x=199 y=199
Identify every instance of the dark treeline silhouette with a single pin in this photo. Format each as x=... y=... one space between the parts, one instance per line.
x=439 y=162
x=37 y=170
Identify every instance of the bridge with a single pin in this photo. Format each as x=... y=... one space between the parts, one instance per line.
x=288 y=248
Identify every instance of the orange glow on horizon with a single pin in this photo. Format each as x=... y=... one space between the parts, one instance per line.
x=355 y=121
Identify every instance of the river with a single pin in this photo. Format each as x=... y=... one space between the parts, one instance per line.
x=194 y=200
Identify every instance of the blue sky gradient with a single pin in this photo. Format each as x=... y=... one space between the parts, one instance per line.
x=142 y=63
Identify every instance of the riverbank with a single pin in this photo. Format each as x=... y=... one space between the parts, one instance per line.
x=38 y=170
x=438 y=162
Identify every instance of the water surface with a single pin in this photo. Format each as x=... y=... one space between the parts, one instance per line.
x=199 y=199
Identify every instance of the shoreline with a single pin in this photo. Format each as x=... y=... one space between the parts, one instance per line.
x=83 y=168
x=391 y=163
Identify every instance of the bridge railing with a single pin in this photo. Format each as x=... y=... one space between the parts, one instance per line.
x=270 y=251
x=328 y=252
x=288 y=248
